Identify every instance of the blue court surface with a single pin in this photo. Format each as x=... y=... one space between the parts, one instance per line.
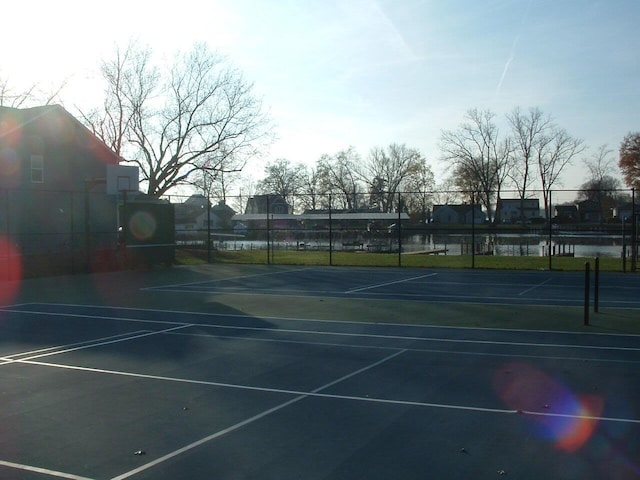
x=95 y=391
x=487 y=287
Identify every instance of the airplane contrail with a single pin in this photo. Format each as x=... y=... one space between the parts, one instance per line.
x=514 y=46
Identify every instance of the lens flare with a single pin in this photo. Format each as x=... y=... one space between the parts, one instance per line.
x=10 y=271
x=9 y=166
x=142 y=225
x=566 y=419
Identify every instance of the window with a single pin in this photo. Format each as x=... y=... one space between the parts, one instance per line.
x=37 y=169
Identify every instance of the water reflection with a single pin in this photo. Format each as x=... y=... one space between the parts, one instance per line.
x=520 y=245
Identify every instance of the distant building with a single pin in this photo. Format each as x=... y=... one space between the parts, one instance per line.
x=514 y=210
x=271 y=203
x=462 y=214
x=623 y=212
x=53 y=199
x=566 y=213
x=590 y=211
x=192 y=216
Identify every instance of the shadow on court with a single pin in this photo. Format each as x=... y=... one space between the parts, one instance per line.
x=113 y=378
x=62 y=327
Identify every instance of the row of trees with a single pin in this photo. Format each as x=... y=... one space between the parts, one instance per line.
x=354 y=182
x=195 y=120
x=482 y=165
x=535 y=150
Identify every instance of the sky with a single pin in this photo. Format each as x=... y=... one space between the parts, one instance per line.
x=363 y=73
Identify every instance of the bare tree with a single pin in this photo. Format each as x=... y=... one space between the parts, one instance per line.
x=247 y=188
x=216 y=182
x=601 y=186
x=386 y=172
x=338 y=177
x=311 y=189
x=130 y=81
x=418 y=197
x=31 y=95
x=476 y=152
x=526 y=129
x=629 y=162
x=282 y=178
x=600 y=164
x=554 y=152
x=199 y=114
x=447 y=192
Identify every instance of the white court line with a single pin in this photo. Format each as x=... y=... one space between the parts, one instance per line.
x=318 y=394
x=44 y=471
x=228 y=279
x=439 y=298
x=535 y=286
x=408 y=349
x=56 y=347
x=365 y=335
x=368 y=287
x=91 y=345
x=247 y=421
x=417 y=338
x=301 y=320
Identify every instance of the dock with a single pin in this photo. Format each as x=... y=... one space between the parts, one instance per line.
x=435 y=251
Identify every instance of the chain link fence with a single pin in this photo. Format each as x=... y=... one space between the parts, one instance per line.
x=59 y=232
x=468 y=229
x=56 y=232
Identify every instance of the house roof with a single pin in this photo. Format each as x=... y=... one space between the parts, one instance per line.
x=518 y=201
x=223 y=208
x=53 y=121
x=567 y=208
x=187 y=213
x=458 y=208
x=322 y=216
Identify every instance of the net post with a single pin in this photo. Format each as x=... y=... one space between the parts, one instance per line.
x=208 y=229
x=596 y=284
x=587 y=268
x=399 y=230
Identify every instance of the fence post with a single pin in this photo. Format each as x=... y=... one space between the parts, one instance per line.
x=634 y=231
x=549 y=220
x=399 y=231
x=208 y=229
x=268 y=233
x=7 y=241
x=473 y=230
x=330 y=234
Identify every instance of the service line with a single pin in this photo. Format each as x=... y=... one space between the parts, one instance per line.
x=369 y=287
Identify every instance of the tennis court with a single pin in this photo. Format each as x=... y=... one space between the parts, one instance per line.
x=489 y=287
x=321 y=373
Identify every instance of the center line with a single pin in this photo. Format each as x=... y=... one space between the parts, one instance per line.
x=534 y=287
x=241 y=424
x=390 y=283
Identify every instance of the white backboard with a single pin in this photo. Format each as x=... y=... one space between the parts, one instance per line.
x=121 y=178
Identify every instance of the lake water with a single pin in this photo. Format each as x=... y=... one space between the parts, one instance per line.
x=457 y=244
x=523 y=245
